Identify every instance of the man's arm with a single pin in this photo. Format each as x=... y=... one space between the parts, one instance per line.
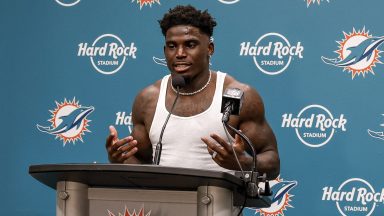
x=253 y=124
x=136 y=148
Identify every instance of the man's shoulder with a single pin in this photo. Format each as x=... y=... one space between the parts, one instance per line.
x=150 y=90
x=231 y=82
x=251 y=95
x=149 y=93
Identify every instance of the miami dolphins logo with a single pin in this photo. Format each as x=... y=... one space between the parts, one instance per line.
x=159 y=61
x=281 y=198
x=358 y=53
x=68 y=121
x=126 y=213
x=309 y=2
x=146 y=2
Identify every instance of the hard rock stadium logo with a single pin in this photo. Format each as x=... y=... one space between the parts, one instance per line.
x=315 y=125
x=272 y=53
x=358 y=53
x=122 y=118
x=355 y=197
x=128 y=213
x=107 y=53
x=310 y=2
x=229 y=1
x=67 y=3
x=281 y=198
x=68 y=121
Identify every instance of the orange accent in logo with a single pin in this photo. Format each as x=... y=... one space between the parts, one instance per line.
x=61 y=110
x=277 y=209
x=356 y=69
x=146 y=2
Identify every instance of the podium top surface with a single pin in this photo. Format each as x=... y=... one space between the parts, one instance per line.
x=133 y=176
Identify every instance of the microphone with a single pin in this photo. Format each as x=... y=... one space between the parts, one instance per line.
x=178 y=81
x=231 y=103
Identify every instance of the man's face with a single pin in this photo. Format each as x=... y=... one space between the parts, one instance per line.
x=187 y=50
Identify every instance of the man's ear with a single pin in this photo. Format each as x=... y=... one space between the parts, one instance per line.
x=211 y=48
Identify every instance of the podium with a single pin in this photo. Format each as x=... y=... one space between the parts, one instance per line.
x=142 y=190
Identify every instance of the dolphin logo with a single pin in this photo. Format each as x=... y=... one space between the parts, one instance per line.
x=358 y=53
x=159 y=61
x=72 y=120
x=374 y=134
x=281 y=189
x=377 y=134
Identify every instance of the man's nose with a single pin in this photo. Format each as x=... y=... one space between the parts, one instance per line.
x=180 y=52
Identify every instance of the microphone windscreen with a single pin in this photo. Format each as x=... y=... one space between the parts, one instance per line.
x=235 y=97
x=178 y=81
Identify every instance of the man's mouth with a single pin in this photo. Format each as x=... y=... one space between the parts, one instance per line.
x=181 y=67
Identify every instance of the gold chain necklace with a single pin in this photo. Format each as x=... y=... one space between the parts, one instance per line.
x=195 y=92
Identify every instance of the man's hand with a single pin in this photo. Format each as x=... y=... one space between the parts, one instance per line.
x=119 y=150
x=224 y=155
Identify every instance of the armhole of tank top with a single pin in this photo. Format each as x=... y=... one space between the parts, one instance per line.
x=160 y=106
x=219 y=88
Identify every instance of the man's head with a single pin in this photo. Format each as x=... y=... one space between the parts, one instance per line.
x=188 y=47
x=188 y=15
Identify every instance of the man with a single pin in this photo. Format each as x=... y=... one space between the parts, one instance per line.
x=194 y=136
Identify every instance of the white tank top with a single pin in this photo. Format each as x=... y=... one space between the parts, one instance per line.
x=182 y=146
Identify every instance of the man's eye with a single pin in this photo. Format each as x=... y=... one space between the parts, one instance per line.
x=171 y=46
x=191 y=45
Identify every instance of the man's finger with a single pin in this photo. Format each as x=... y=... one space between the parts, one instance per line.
x=239 y=144
x=128 y=147
x=112 y=137
x=121 y=143
x=238 y=140
x=222 y=142
x=112 y=129
x=113 y=132
x=109 y=141
x=130 y=153
x=210 y=151
x=213 y=146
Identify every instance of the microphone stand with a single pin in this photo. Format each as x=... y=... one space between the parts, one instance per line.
x=159 y=145
x=252 y=178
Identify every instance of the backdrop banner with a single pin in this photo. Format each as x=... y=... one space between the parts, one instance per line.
x=317 y=64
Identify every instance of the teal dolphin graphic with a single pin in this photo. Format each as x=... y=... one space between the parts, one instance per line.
x=159 y=61
x=363 y=50
x=377 y=134
x=282 y=188
x=72 y=120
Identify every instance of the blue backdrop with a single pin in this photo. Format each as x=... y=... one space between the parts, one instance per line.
x=316 y=63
